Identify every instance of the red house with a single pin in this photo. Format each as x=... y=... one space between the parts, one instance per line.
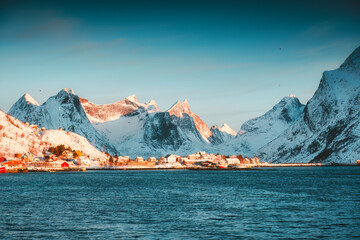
x=64 y=165
x=12 y=164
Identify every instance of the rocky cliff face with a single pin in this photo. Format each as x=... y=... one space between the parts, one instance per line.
x=182 y=110
x=329 y=129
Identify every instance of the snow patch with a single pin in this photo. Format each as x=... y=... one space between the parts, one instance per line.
x=30 y=99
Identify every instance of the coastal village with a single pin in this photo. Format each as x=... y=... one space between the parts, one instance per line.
x=61 y=158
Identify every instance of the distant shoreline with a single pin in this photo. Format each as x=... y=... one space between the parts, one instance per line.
x=257 y=167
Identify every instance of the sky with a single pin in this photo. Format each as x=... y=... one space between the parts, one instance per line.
x=232 y=60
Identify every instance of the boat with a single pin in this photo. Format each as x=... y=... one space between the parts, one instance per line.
x=2 y=169
x=222 y=166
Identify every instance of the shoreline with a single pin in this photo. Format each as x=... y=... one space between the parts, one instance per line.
x=255 y=167
x=241 y=168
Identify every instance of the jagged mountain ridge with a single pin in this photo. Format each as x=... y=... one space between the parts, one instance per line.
x=181 y=109
x=109 y=112
x=156 y=133
x=133 y=128
x=62 y=110
x=127 y=127
x=329 y=129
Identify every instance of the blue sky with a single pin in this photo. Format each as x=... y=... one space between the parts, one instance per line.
x=232 y=60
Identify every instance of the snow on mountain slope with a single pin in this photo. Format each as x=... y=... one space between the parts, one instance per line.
x=222 y=134
x=329 y=129
x=109 y=112
x=182 y=109
x=72 y=140
x=126 y=134
x=25 y=106
x=18 y=137
x=63 y=110
x=127 y=127
x=227 y=129
x=259 y=131
x=152 y=134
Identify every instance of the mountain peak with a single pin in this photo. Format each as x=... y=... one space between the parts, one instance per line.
x=132 y=98
x=64 y=94
x=226 y=128
x=214 y=127
x=68 y=90
x=152 y=102
x=180 y=108
x=29 y=99
x=288 y=100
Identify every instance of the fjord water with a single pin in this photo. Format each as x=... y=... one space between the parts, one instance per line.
x=322 y=202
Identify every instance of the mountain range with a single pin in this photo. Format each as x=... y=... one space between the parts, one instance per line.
x=326 y=129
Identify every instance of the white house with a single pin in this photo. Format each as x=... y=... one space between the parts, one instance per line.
x=171 y=158
x=139 y=159
x=232 y=161
x=151 y=159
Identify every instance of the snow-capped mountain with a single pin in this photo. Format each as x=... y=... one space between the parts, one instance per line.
x=19 y=137
x=222 y=134
x=155 y=133
x=126 y=127
x=259 y=131
x=329 y=129
x=181 y=110
x=109 y=112
x=25 y=106
x=63 y=110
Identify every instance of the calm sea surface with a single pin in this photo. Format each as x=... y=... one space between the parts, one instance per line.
x=321 y=202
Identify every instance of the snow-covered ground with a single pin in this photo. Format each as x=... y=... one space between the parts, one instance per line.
x=18 y=137
x=72 y=140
